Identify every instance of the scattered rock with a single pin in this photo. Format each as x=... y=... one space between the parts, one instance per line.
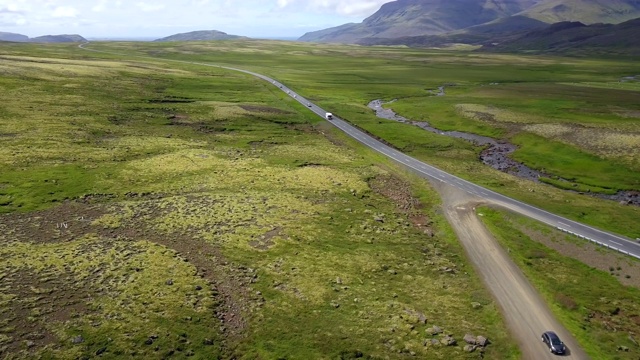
x=149 y=341
x=470 y=339
x=207 y=342
x=623 y=348
x=482 y=341
x=154 y=337
x=434 y=330
x=30 y=344
x=476 y=305
x=448 y=341
x=169 y=282
x=101 y=350
x=77 y=340
x=339 y=280
x=469 y=348
x=335 y=304
x=198 y=287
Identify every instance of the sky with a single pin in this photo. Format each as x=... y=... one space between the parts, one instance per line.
x=159 y=18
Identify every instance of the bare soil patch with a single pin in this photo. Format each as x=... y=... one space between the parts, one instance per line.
x=59 y=298
x=399 y=192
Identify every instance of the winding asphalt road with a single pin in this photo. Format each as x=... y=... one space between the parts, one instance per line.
x=527 y=314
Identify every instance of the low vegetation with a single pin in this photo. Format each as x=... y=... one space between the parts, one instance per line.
x=596 y=302
x=167 y=211
x=513 y=98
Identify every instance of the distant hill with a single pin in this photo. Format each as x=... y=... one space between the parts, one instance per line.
x=576 y=37
x=409 y=19
x=7 y=36
x=203 y=35
x=66 y=38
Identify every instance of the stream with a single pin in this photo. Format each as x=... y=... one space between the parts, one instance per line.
x=496 y=152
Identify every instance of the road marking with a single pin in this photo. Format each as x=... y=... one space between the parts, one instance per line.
x=615 y=242
x=561 y=223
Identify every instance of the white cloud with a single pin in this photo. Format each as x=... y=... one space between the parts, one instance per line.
x=346 y=8
x=64 y=12
x=142 y=18
x=148 y=7
x=100 y=6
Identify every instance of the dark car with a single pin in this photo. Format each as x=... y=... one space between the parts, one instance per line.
x=554 y=343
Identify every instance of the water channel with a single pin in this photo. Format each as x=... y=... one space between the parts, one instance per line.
x=496 y=152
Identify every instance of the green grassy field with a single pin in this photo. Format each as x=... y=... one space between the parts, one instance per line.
x=600 y=312
x=159 y=210
x=571 y=117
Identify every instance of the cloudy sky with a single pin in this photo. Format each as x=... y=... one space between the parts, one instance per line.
x=158 y=18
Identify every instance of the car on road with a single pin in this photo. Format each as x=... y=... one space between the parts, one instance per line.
x=309 y=104
x=556 y=346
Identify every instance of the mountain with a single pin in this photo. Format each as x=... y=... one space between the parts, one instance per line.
x=499 y=30
x=203 y=35
x=421 y=17
x=412 y=18
x=7 y=36
x=576 y=37
x=585 y=11
x=65 y=38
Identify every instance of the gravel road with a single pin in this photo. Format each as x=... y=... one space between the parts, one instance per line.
x=524 y=311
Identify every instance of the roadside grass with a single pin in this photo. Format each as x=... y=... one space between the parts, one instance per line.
x=599 y=311
x=588 y=170
x=131 y=210
x=489 y=94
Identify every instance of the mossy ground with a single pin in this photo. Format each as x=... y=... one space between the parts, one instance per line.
x=549 y=106
x=164 y=211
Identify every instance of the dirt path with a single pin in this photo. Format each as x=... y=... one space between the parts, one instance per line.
x=524 y=311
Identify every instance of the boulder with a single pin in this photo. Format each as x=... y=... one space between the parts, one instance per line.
x=470 y=339
x=482 y=341
x=469 y=348
x=434 y=330
x=448 y=341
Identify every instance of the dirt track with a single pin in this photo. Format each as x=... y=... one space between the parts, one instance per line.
x=524 y=311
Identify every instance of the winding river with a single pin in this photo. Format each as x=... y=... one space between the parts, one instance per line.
x=496 y=152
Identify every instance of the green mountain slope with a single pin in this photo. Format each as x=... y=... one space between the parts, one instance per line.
x=585 y=11
x=498 y=30
x=412 y=18
x=420 y=17
x=203 y=35
x=575 y=37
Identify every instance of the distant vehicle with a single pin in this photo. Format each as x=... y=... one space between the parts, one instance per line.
x=328 y=116
x=280 y=86
x=295 y=96
x=288 y=92
x=556 y=346
x=309 y=104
